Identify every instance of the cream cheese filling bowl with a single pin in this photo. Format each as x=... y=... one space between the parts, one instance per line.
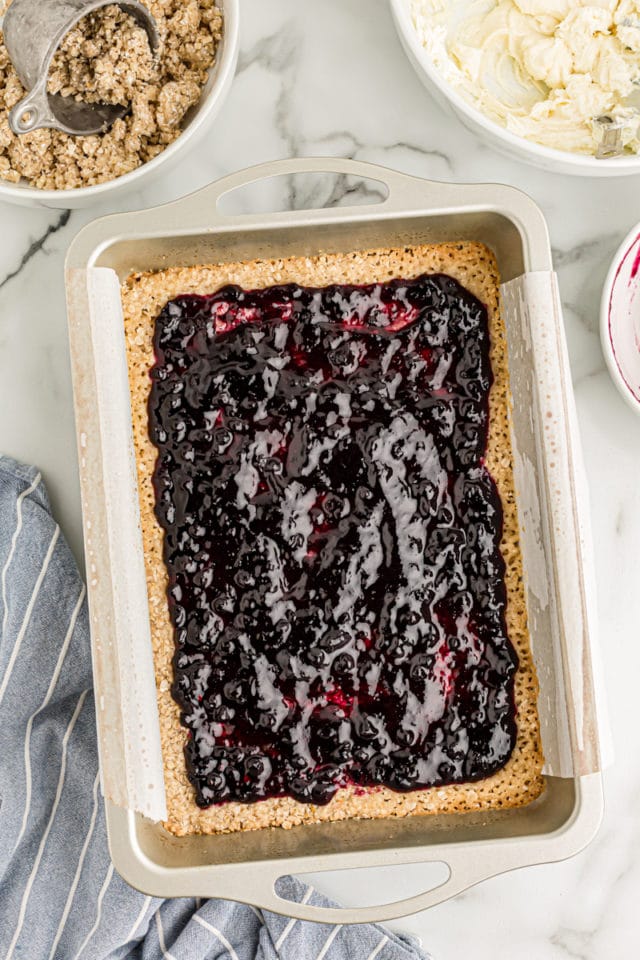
x=548 y=158
x=199 y=117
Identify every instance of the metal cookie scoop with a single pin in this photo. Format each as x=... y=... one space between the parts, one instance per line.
x=610 y=132
x=611 y=129
x=33 y=31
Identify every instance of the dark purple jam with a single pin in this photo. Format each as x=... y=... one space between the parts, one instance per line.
x=332 y=538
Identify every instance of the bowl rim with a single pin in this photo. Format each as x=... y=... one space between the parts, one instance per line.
x=402 y=16
x=225 y=70
x=631 y=239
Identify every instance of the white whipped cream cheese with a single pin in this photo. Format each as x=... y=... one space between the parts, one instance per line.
x=544 y=69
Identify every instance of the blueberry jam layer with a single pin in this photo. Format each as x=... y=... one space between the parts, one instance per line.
x=332 y=537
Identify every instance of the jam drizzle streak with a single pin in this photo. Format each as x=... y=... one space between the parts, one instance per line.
x=332 y=538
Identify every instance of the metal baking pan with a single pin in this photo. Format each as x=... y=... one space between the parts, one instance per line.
x=245 y=867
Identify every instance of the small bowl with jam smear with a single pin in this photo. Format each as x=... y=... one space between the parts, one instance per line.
x=620 y=319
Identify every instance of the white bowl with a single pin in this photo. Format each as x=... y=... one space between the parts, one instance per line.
x=620 y=319
x=213 y=96
x=557 y=161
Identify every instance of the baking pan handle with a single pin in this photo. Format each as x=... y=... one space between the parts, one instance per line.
x=199 y=212
x=201 y=209
x=463 y=873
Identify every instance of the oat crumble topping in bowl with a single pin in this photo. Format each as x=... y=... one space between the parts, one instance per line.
x=106 y=58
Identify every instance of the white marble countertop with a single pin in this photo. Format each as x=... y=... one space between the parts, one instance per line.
x=328 y=77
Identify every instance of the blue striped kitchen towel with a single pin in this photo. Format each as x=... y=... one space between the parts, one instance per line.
x=60 y=898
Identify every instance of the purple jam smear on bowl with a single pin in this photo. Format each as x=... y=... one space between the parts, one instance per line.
x=332 y=537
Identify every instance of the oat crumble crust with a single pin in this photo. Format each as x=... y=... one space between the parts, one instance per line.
x=474 y=266
x=106 y=58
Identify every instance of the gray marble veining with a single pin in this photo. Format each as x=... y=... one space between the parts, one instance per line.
x=328 y=77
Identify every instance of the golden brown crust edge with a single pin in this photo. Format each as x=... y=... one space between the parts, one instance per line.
x=474 y=266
